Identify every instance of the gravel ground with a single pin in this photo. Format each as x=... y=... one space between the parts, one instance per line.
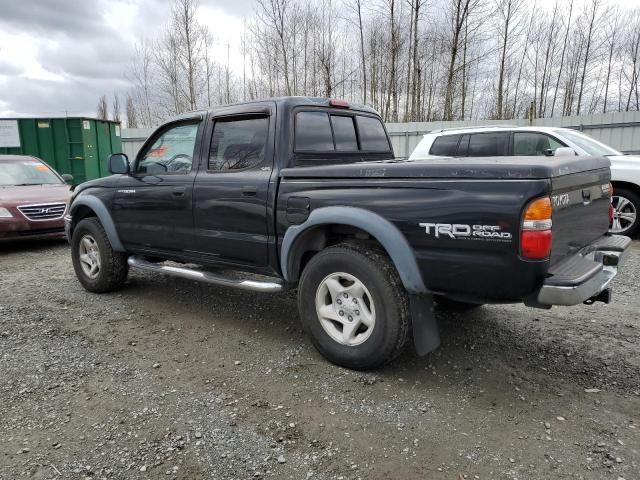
x=173 y=379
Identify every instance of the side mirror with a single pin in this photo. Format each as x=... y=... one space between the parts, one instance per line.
x=67 y=178
x=548 y=153
x=119 y=164
x=565 y=152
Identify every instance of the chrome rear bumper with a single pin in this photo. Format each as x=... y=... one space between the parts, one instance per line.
x=586 y=275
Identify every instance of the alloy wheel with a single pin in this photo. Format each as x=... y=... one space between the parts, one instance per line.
x=624 y=214
x=345 y=309
x=89 y=255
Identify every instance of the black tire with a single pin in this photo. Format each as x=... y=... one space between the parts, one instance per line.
x=374 y=270
x=113 y=265
x=634 y=198
x=454 y=305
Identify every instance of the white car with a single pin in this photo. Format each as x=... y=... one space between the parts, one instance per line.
x=544 y=141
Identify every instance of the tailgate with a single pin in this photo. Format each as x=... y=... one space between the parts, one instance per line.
x=580 y=210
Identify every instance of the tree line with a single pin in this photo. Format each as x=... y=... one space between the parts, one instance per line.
x=411 y=60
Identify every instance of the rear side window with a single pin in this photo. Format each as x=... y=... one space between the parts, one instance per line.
x=372 y=135
x=493 y=144
x=313 y=132
x=445 y=145
x=344 y=132
x=239 y=143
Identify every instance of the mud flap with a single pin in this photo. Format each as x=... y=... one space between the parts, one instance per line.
x=425 y=327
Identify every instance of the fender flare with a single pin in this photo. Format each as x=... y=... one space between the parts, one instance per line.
x=95 y=204
x=391 y=239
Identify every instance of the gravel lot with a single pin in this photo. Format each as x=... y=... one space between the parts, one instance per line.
x=173 y=379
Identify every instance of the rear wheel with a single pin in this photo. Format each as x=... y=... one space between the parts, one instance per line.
x=98 y=267
x=626 y=205
x=353 y=304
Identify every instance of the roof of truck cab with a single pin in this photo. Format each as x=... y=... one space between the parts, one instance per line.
x=281 y=102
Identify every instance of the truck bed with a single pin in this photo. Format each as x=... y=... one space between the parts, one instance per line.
x=465 y=191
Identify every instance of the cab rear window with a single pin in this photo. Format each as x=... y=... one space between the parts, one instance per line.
x=372 y=135
x=321 y=131
x=313 y=132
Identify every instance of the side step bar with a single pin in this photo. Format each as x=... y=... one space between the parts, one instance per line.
x=136 y=261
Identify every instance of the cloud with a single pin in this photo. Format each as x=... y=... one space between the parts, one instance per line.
x=90 y=60
x=46 y=16
x=52 y=98
x=9 y=68
x=60 y=56
x=238 y=8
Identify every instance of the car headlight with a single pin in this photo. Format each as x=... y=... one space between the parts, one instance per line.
x=4 y=213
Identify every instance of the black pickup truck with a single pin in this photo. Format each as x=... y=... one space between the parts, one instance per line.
x=305 y=193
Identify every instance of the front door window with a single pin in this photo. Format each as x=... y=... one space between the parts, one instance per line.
x=172 y=151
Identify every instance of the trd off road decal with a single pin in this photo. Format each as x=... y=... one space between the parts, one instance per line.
x=467 y=232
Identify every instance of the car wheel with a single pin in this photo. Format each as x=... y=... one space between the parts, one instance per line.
x=455 y=305
x=98 y=267
x=353 y=305
x=626 y=204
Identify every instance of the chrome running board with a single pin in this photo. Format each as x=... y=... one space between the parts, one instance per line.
x=136 y=261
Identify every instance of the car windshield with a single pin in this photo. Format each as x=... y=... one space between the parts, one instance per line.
x=26 y=172
x=589 y=145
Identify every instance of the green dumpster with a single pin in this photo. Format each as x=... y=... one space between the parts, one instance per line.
x=76 y=145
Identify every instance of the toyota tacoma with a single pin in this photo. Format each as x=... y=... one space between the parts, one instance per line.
x=305 y=193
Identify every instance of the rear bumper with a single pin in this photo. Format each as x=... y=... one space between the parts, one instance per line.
x=586 y=275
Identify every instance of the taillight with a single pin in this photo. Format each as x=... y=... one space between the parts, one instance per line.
x=535 y=235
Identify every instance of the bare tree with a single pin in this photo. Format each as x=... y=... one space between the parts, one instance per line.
x=612 y=27
x=458 y=17
x=508 y=11
x=141 y=76
x=409 y=59
x=274 y=13
x=209 y=65
x=102 y=110
x=416 y=72
x=634 y=57
x=591 y=19
x=189 y=37
x=564 y=50
x=115 y=108
x=132 y=115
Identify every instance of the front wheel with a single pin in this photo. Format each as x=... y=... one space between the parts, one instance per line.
x=626 y=204
x=98 y=267
x=353 y=304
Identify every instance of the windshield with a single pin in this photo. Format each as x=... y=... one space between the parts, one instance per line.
x=26 y=172
x=588 y=144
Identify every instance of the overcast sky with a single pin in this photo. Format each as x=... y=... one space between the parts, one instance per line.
x=58 y=56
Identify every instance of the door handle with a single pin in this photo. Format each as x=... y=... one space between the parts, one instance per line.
x=178 y=192
x=249 y=191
